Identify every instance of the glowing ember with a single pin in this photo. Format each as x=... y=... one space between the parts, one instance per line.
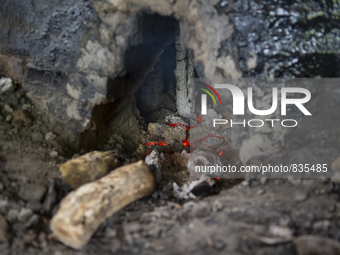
x=186 y=143
x=200 y=119
x=176 y=125
x=153 y=143
x=220 y=153
x=217 y=178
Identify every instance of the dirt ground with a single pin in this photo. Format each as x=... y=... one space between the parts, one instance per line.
x=257 y=216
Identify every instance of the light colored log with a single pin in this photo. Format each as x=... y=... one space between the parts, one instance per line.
x=88 y=167
x=82 y=211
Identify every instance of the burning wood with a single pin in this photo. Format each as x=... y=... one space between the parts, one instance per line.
x=174 y=130
x=83 y=210
x=167 y=132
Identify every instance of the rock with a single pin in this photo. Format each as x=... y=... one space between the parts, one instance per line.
x=24 y=214
x=25 y=106
x=201 y=209
x=219 y=244
x=29 y=238
x=336 y=178
x=245 y=183
x=253 y=31
x=154 y=231
x=14 y=130
x=12 y=215
x=8 y=109
x=88 y=167
x=34 y=205
x=11 y=67
x=263 y=181
x=110 y=232
x=336 y=165
x=17 y=123
x=37 y=136
x=29 y=192
x=3 y=206
x=217 y=205
x=316 y=245
x=42 y=239
x=12 y=100
x=321 y=225
x=154 y=162
x=260 y=192
x=131 y=227
x=54 y=154
x=300 y=195
x=23 y=116
x=3 y=230
x=273 y=235
x=32 y=221
x=19 y=95
x=6 y=85
x=294 y=181
x=50 y=136
x=50 y=199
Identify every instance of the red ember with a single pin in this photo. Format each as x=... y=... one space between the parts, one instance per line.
x=186 y=143
x=176 y=125
x=153 y=143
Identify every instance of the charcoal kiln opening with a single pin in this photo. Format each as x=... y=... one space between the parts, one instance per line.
x=154 y=85
x=156 y=98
